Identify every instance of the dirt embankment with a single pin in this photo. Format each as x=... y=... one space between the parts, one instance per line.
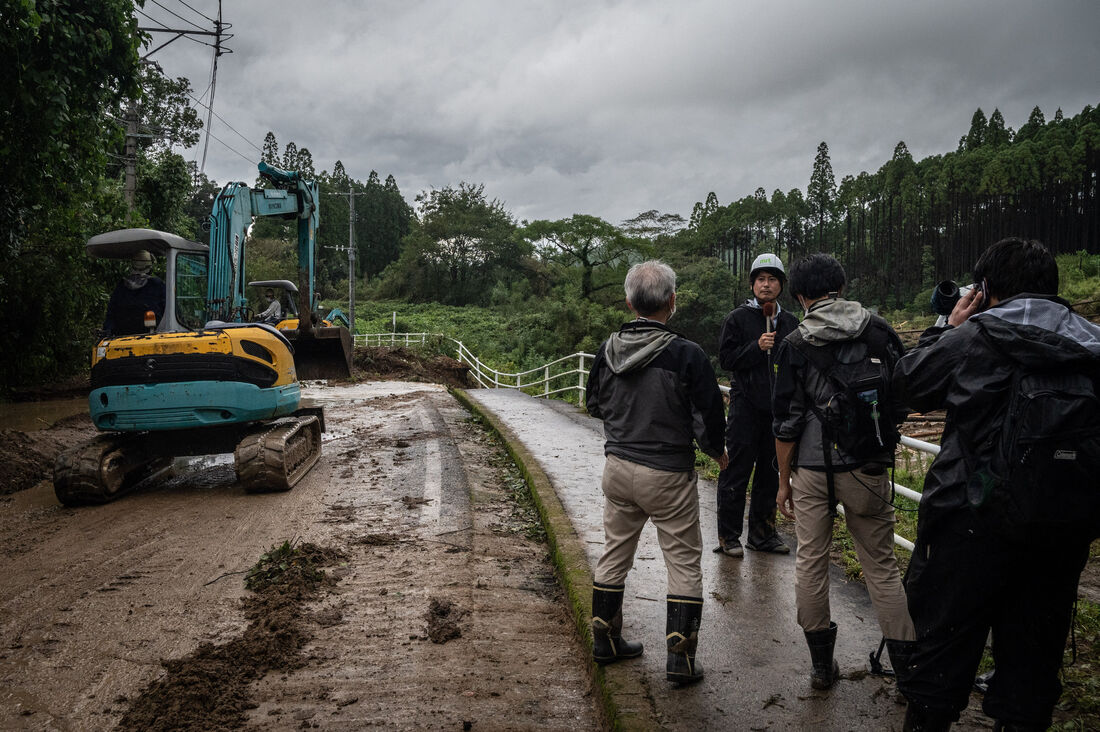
x=406 y=364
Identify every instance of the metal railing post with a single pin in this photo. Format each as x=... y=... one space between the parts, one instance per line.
x=580 y=378
x=546 y=381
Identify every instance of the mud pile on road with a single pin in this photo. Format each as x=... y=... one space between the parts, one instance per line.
x=29 y=456
x=209 y=689
x=406 y=364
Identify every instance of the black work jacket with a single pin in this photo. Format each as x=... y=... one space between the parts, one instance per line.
x=751 y=370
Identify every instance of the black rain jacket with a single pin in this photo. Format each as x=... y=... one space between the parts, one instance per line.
x=656 y=393
x=969 y=373
x=751 y=369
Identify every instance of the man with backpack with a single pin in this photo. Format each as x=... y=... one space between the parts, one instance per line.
x=1012 y=502
x=835 y=428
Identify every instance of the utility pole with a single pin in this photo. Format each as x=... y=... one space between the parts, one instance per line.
x=220 y=36
x=351 y=194
x=130 y=185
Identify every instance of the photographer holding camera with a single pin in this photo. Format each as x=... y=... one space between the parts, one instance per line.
x=1010 y=504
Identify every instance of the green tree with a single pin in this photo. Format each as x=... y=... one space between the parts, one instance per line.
x=290 y=156
x=67 y=64
x=653 y=225
x=821 y=192
x=997 y=134
x=459 y=248
x=1033 y=127
x=270 y=150
x=165 y=116
x=583 y=241
x=163 y=193
x=978 y=126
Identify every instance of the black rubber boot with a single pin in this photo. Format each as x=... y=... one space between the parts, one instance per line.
x=825 y=670
x=919 y=718
x=608 y=645
x=901 y=654
x=682 y=637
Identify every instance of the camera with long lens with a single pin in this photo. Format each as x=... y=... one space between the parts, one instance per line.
x=945 y=297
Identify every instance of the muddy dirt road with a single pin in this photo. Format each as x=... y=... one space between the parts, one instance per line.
x=441 y=609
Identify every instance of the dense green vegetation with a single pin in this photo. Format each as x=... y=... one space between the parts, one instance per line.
x=457 y=260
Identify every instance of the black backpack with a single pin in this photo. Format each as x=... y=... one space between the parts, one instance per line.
x=858 y=419
x=859 y=416
x=1043 y=464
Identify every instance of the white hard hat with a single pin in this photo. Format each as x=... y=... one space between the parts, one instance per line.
x=768 y=262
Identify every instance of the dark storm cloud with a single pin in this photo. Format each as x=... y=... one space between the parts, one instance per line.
x=612 y=108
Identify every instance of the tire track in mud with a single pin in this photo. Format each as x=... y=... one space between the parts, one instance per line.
x=457 y=569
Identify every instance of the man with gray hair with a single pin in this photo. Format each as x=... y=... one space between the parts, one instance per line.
x=657 y=395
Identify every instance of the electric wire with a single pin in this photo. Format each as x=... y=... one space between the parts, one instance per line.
x=163 y=27
x=197 y=12
x=231 y=148
x=171 y=12
x=222 y=120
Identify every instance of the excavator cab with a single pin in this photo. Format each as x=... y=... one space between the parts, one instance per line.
x=325 y=353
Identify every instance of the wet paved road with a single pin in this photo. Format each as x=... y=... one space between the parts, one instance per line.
x=753 y=652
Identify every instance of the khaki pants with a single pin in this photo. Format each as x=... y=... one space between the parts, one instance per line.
x=870 y=520
x=635 y=493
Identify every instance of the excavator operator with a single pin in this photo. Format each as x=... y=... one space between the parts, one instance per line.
x=274 y=312
x=137 y=293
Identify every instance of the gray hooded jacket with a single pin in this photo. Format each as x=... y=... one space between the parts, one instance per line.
x=656 y=393
x=798 y=384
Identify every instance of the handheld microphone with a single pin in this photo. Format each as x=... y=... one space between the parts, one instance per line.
x=769 y=313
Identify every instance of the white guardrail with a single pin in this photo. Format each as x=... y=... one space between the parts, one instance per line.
x=566 y=368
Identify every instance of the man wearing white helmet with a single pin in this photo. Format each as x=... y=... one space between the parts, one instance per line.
x=137 y=293
x=747 y=345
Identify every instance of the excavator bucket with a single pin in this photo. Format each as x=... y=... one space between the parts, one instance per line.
x=322 y=353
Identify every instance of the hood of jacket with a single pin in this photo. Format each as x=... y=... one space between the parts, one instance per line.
x=835 y=319
x=636 y=344
x=1041 y=330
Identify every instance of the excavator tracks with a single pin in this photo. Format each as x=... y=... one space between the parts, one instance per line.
x=103 y=469
x=279 y=454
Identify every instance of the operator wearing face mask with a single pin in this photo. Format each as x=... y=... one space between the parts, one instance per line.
x=274 y=311
x=139 y=292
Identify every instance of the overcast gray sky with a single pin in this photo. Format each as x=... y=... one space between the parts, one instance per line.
x=613 y=108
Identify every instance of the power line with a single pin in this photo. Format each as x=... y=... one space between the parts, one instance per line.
x=185 y=20
x=222 y=120
x=196 y=11
x=185 y=33
x=238 y=152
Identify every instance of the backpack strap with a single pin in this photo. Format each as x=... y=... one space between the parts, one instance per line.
x=819 y=360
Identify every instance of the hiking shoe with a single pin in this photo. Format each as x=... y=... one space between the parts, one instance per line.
x=773 y=545
x=729 y=547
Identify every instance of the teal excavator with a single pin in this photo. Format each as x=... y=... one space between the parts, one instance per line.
x=199 y=378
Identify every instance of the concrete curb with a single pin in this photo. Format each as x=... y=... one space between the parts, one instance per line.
x=625 y=699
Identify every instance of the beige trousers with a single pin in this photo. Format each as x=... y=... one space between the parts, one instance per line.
x=870 y=520
x=635 y=493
